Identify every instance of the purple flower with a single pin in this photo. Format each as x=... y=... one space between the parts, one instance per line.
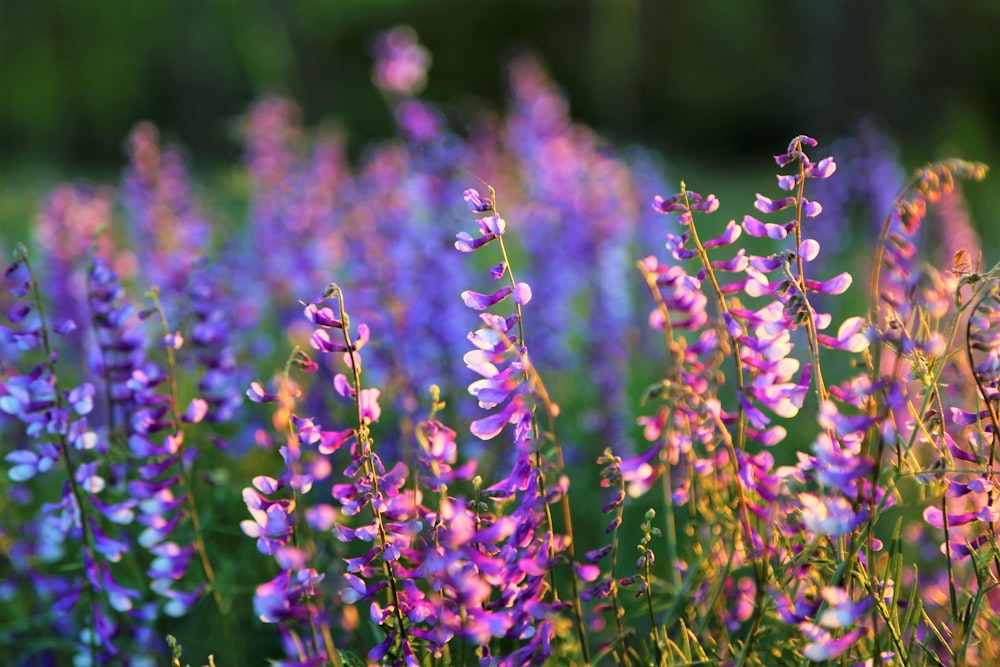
x=477 y=301
x=832 y=516
x=401 y=63
x=765 y=205
x=824 y=646
x=755 y=227
x=477 y=202
x=841 y=611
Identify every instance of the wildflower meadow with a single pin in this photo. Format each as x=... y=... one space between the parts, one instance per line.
x=499 y=392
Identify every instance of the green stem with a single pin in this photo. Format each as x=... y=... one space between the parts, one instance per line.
x=301 y=527
x=187 y=473
x=811 y=332
x=64 y=446
x=532 y=376
x=365 y=444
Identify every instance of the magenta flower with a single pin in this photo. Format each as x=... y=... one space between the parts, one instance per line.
x=477 y=301
x=832 y=516
x=766 y=205
x=755 y=227
x=401 y=62
x=823 y=645
x=841 y=611
x=477 y=202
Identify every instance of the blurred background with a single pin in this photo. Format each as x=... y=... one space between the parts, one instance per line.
x=696 y=80
x=716 y=88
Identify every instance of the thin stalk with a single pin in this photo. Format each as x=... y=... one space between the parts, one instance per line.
x=801 y=284
x=990 y=404
x=759 y=568
x=619 y=628
x=286 y=402
x=186 y=472
x=674 y=370
x=551 y=409
x=104 y=362
x=365 y=443
x=652 y=617
x=64 y=446
x=671 y=525
x=724 y=306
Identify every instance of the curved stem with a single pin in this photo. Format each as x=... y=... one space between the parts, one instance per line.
x=186 y=473
x=759 y=564
x=365 y=445
x=801 y=285
x=64 y=445
x=530 y=375
x=619 y=628
x=741 y=420
x=286 y=403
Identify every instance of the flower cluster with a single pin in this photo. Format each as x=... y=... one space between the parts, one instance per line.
x=169 y=229
x=802 y=463
x=79 y=537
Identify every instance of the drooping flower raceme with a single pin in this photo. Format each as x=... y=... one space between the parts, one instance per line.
x=510 y=387
x=80 y=538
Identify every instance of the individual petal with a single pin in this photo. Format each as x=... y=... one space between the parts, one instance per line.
x=331 y=441
x=355 y=590
x=320 y=340
x=343 y=386
x=323 y=317
x=808 y=249
x=802 y=139
x=811 y=209
x=17 y=314
x=828 y=516
x=962 y=417
x=767 y=205
x=257 y=394
x=364 y=335
x=755 y=227
x=849 y=337
x=823 y=646
x=266 y=484
x=671 y=205
x=731 y=233
x=491 y=392
x=370 y=409
x=88 y=479
x=81 y=399
x=708 y=205
x=482 y=362
x=770 y=437
x=493 y=224
x=841 y=611
x=26 y=465
x=12 y=405
x=737 y=264
x=174 y=340
x=465 y=243
x=786 y=158
x=522 y=293
x=836 y=285
x=196 y=411
x=477 y=301
x=476 y=201
x=787 y=182
x=489 y=427
x=756 y=283
x=934 y=516
x=822 y=169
